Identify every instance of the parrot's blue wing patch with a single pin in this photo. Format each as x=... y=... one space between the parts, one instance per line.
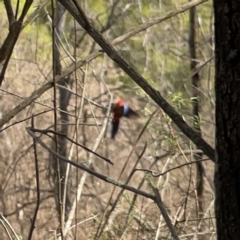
x=125 y=110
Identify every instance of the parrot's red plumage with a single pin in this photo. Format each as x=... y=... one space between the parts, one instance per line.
x=120 y=109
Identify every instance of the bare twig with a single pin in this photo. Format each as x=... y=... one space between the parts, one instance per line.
x=103 y=224
x=12 y=37
x=35 y=14
x=195 y=107
x=74 y=142
x=24 y=120
x=56 y=69
x=38 y=186
x=88 y=170
x=6 y=229
x=17 y=9
x=79 y=223
x=36 y=94
x=153 y=173
x=108 y=48
x=9 y=10
x=165 y=214
x=3 y=219
x=84 y=176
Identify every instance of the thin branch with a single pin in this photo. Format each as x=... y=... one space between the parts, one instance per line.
x=57 y=142
x=108 y=48
x=103 y=224
x=38 y=186
x=11 y=39
x=153 y=173
x=88 y=170
x=17 y=9
x=157 y=20
x=84 y=175
x=6 y=229
x=9 y=225
x=94 y=217
x=132 y=205
x=198 y=141
x=196 y=107
x=86 y=100
x=26 y=7
x=37 y=93
x=165 y=214
x=89 y=58
x=35 y=14
x=72 y=141
x=9 y=10
x=24 y=120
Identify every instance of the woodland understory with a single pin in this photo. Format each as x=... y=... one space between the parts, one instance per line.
x=63 y=63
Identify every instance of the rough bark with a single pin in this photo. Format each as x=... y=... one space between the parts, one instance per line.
x=227 y=87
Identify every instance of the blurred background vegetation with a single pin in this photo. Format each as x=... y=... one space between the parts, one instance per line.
x=161 y=55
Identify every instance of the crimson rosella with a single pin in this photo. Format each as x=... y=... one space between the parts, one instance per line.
x=120 y=109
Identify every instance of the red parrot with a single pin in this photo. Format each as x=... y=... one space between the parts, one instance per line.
x=120 y=109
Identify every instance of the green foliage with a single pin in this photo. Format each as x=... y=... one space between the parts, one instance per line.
x=178 y=101
x=169 y=140
x=197 y=121
x=126 y=80
x=99 y=6
x=44 y=50
x=145 y=11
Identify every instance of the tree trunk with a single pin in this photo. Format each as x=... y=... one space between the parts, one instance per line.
x=196 y=108
x=227 y=87
x=64 y=98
